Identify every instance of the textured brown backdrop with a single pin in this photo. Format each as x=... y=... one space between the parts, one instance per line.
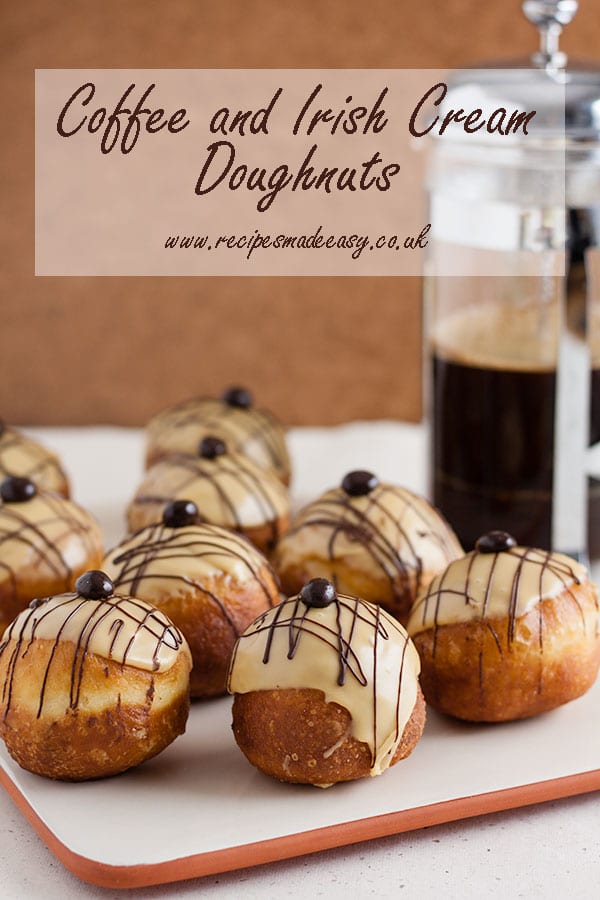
x=317 y=350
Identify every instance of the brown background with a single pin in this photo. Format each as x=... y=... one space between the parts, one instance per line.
x=317 y=350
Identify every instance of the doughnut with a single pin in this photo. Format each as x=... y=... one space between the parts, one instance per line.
x=506 y=632
x=326 y=689
x=91 y=683
x=25 y=458
x=228 y=490
x=254 y=433
x=46 y=542
x=212 y=583
x=373 y=540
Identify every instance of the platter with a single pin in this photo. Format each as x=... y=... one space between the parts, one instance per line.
x=200 y=808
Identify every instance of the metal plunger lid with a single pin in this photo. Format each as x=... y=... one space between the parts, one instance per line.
x=582 y=95
x=565 y=94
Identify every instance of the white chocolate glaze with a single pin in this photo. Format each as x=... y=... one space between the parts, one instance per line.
x=388 y=532
x=21 y=456
x=487 y=586
x=228 y=490
x=123 y=629
x=46 y=534
x=254 y=433
x=353 y=651
x=158 y=562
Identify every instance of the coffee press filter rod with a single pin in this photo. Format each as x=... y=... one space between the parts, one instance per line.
x=569 y=504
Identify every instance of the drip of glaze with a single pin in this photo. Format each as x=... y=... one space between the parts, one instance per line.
x=353 y=635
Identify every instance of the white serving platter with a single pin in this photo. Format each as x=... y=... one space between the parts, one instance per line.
x=200 y=808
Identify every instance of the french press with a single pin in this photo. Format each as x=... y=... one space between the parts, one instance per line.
x=513 y=337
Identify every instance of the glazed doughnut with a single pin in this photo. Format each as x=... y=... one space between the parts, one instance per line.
x=25 y=458
x=45 y=543
x=373 y=540
x=251 y=432
x=91 y=683
x=227 y=489
x=210 y=582
x=507 y=632
x=326 y=689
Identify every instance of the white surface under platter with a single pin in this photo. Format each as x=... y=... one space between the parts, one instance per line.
x=201 y=794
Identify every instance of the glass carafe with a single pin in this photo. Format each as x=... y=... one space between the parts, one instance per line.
x=513 y=306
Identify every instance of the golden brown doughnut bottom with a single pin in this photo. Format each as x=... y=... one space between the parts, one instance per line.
x=124 y=715
x=475 y=671
x=396 y=598
x=210 y=632
x=294 y=735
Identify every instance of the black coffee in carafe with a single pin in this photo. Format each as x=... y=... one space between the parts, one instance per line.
x=493 y=450
x=493 y=420
x=502 y=473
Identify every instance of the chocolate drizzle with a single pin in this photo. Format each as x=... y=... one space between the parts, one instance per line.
x=491 y=587
x=228 y=490
x=388 y=523
x=339 y=649
x=41 y=533
x=21 y=456
x=521 y=614
x=141 y=563
x=300 y=621
x=430 y=608
x=122 y=629
x=252 y=432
